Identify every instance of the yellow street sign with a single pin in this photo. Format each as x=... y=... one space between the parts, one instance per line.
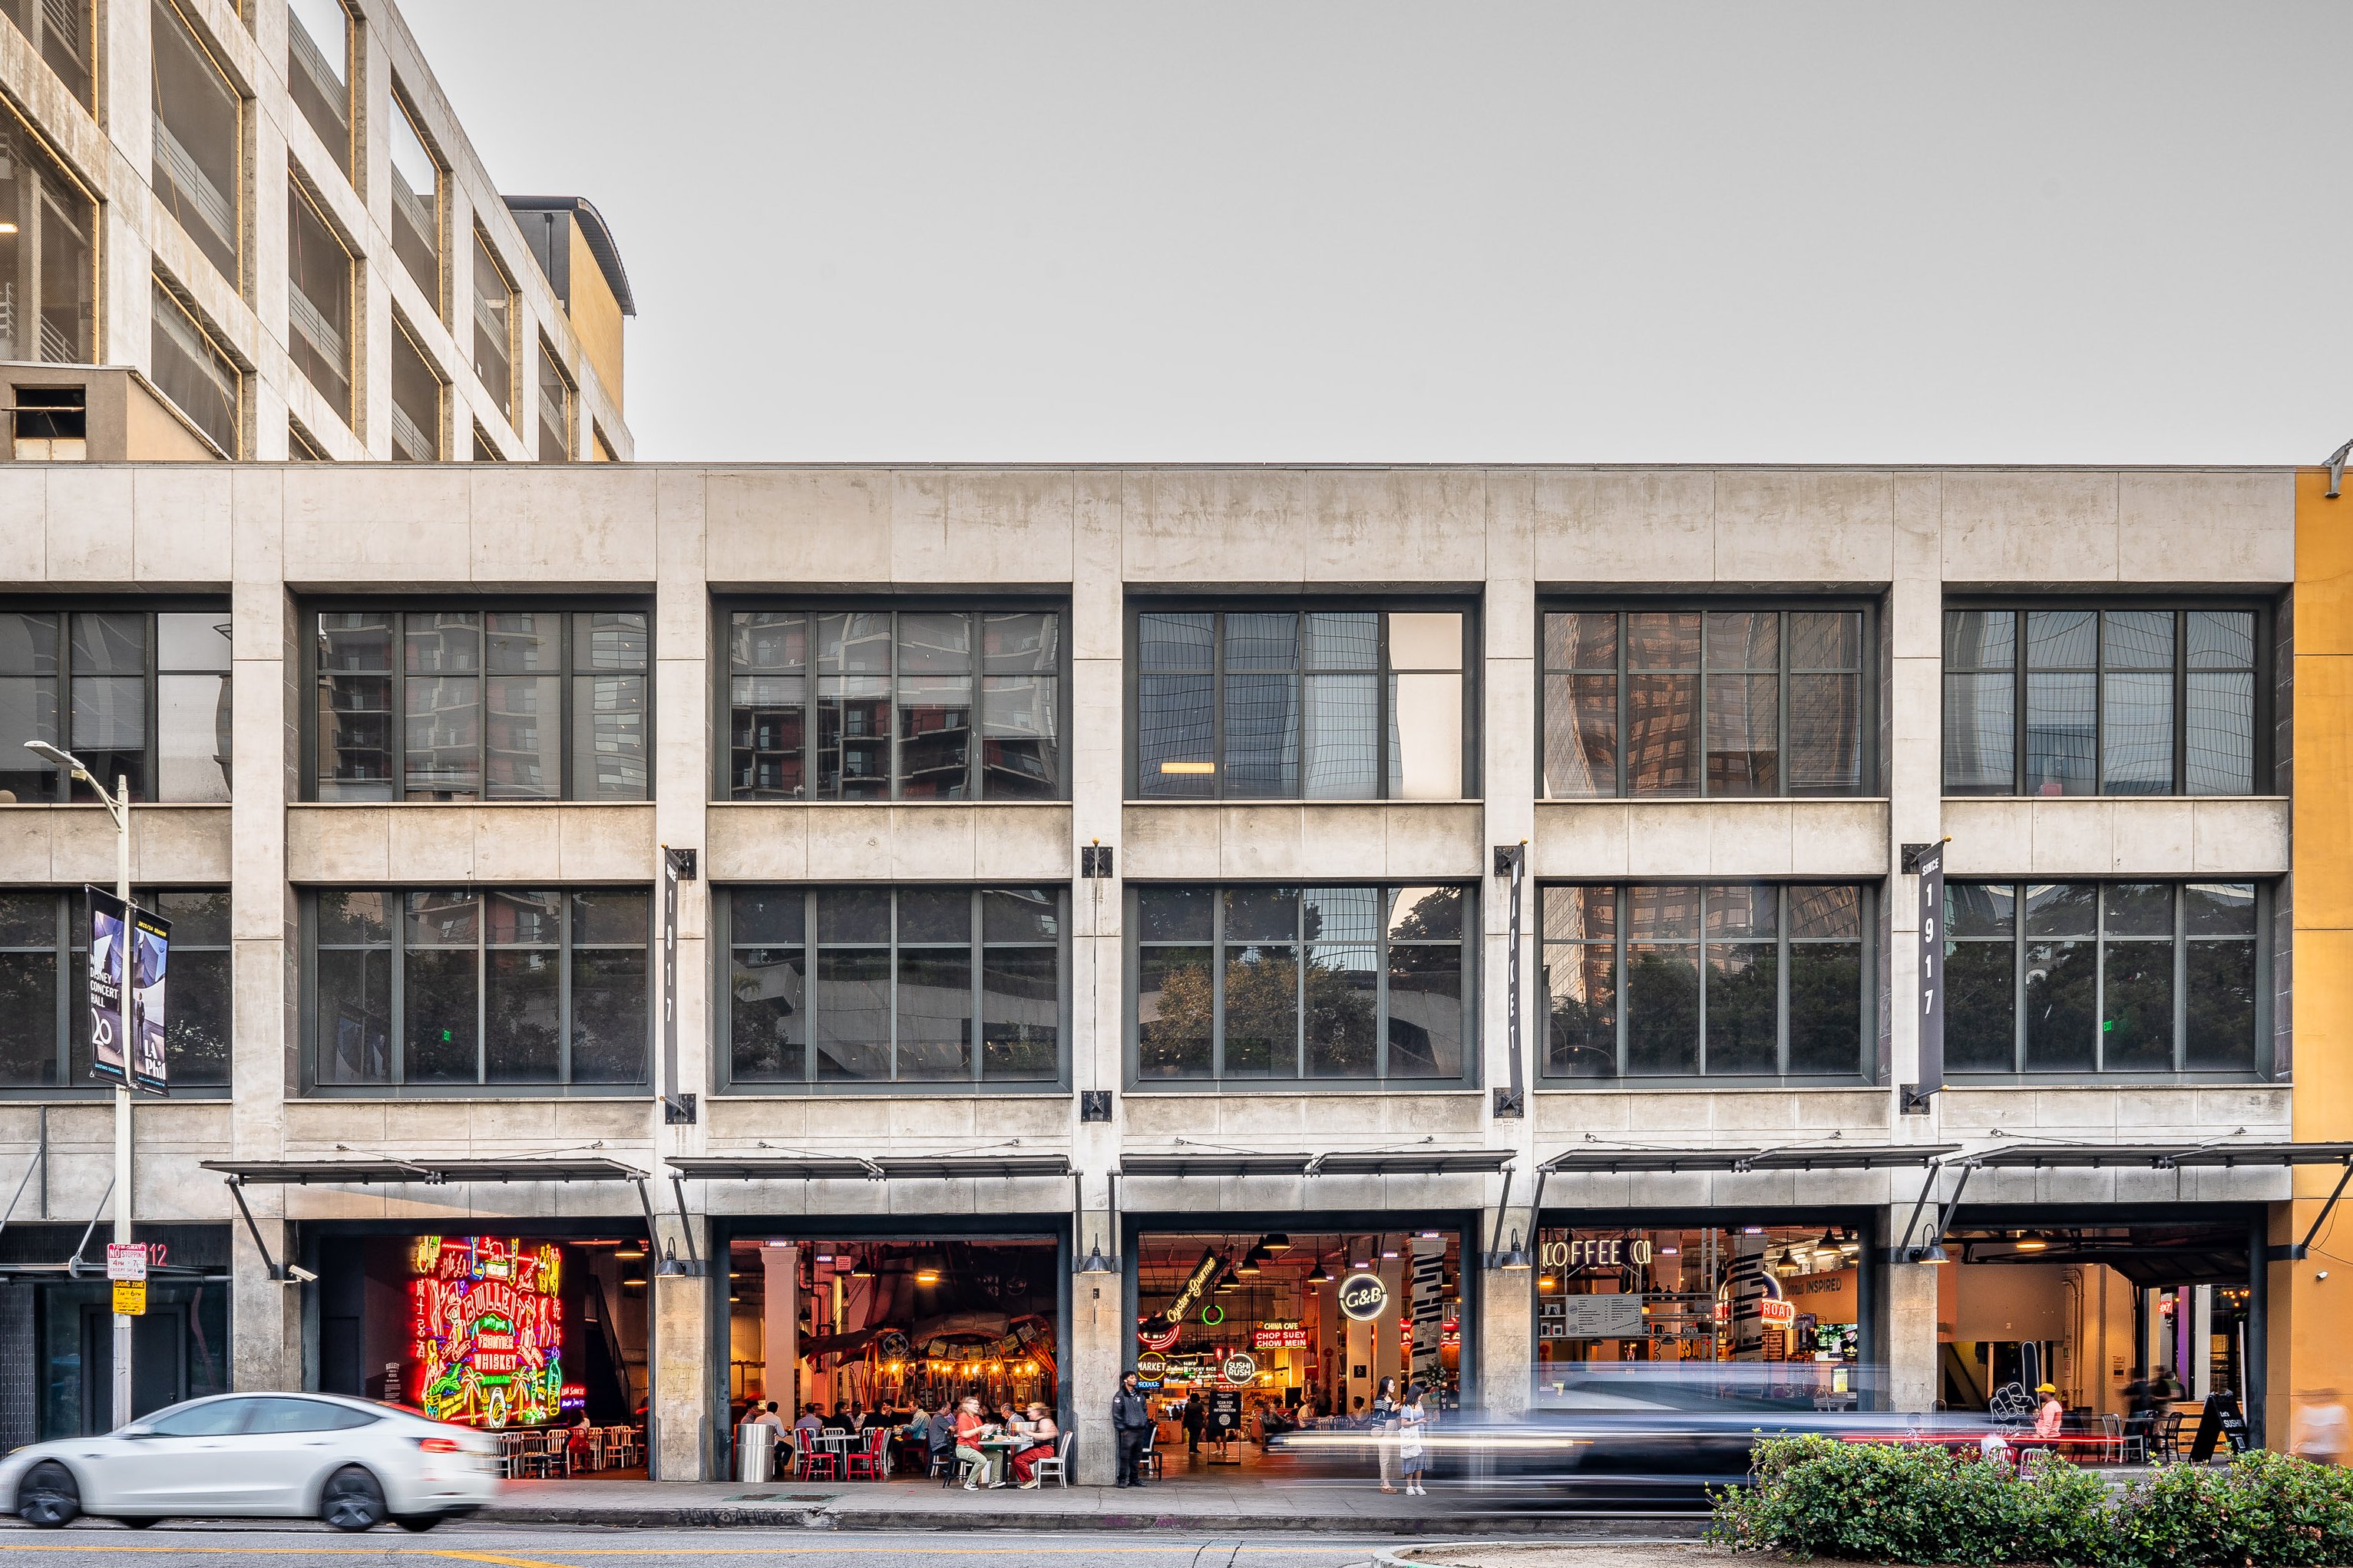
x=130 y=1296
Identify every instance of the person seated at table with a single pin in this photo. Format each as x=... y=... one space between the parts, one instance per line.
x=2051 y=1415
x=808 y=1429
x=939 y=1435
x=972 y=1429
x=840 y=1420
x=1042 y=1437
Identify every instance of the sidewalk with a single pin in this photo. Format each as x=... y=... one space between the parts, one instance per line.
x=1194 y=1506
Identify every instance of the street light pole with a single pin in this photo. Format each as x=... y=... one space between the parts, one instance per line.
x=117 y=806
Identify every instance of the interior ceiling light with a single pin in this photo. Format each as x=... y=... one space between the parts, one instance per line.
x=1274 y=1241
x=1251 y=1263
x=1849 y=1243
x=1322 y=1276
x=1789 y=1263
x=2032 y=1241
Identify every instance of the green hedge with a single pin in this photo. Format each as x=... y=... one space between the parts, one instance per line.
x=1917 y=1504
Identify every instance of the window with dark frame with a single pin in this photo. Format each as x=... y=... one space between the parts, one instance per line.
x=933 y=703
x=875 y=985
x=2103 y=977
x=1690 y=701
x=2078 y=699
x=1329 y=984
x=138 y=694
x=1285 y=702
x=465 y=986
x=1714 y=980
x=44 y=979
x=522 y=702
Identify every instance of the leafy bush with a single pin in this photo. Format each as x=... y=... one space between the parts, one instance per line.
x=1919 y=1503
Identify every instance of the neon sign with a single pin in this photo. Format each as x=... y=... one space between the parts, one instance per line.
x=485 y=1330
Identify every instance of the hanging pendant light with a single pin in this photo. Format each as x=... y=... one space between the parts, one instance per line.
x=1322 y=1276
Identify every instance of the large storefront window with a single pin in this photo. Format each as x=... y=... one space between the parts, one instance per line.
x=1244 y=1335
x=1732 y=979
x=1370 y=983
x=505 y=1331
x=1784 y=1299
x=2103 y=977
x=881 y=1328
x=2137 y=1323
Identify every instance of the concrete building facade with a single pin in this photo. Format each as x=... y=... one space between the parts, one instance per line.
x=1105 y=758
x=267 y=218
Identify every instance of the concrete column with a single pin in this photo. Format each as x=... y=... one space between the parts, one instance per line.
x=684 y=1376
x=1100 y=1336
x=1907 y=1323
x=265 y=1317
x=780 y=1345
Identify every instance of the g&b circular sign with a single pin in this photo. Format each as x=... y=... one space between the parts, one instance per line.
x=1363 y=1297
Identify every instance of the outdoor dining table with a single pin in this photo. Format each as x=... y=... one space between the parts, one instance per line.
x=1000 y=1450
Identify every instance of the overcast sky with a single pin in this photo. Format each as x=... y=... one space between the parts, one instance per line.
x=1359 y=232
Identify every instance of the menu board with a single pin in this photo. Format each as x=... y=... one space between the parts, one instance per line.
x=1605 y=1317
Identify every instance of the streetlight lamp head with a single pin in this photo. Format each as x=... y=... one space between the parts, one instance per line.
x=58 y=758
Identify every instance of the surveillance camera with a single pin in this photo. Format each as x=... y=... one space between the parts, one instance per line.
x=298 y=1274
x=2322 y=1275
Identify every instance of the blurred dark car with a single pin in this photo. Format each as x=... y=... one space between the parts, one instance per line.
x=1629 y=1434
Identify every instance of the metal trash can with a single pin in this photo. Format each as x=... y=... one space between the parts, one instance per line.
x=756 y=1452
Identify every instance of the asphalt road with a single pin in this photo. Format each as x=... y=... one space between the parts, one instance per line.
x=531 y=1546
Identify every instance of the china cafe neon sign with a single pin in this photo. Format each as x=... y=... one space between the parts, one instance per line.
x=485 y=1330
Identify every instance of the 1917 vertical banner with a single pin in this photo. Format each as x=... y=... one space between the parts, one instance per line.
x=1931 y=866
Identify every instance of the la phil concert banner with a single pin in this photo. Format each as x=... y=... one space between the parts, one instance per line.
x=129 y=958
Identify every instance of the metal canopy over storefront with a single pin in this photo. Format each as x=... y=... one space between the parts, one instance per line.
x=435 y=1172
x=1348 y=1162
x=854 y=1168
x=1788 y=1157
x=424 y=1170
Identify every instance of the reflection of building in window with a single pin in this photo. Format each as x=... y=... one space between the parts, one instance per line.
x=891 y=706
x=473 y=705
x=1684 y=980
x=94 y=674
x=199 y=147
x=913 y=984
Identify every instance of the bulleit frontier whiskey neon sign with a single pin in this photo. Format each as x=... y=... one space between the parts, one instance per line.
x=487 y=1330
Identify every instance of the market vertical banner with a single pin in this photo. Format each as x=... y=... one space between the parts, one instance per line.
x=130 y=961
x=1931 y=866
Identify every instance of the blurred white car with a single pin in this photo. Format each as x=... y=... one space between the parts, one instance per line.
x=350 y=1462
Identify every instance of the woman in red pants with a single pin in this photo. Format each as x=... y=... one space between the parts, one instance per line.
x=1045 y=1437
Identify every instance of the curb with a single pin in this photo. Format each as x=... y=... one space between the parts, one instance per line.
x=1384 y=1557
x=736 y=1517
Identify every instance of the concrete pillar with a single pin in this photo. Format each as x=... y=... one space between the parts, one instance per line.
x=1907 y=1325
x=780 y=1339
x=1099 y=1337
x=683 y=1377
x=1506 y=1342
x=265 y=1317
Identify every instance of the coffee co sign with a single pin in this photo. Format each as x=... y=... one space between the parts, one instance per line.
x=1597 y=1252
x=1363 y=1297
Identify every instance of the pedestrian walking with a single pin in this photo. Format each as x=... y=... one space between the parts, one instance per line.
x=1410 y=1419
x=1384 y=1408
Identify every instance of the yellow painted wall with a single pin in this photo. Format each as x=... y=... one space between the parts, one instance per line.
x=596 y=318
x=2310 y=1347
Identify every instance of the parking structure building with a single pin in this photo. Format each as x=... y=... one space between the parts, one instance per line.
x=1095 y=886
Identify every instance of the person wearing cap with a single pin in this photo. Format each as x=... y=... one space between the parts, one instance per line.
x=2050 y=1413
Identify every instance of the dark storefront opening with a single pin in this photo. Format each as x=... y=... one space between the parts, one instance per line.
x=56 y=1332
x=1243 y=1335
x=504 y=1331
x=885 y=1327
x=2087 y=1307
x=1786 y=1299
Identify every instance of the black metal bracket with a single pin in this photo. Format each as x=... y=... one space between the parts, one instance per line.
x=74 y=1264
x=2297 y=1251
x=1095 y=1105
x=1094 y=861
x=678 y=1111
x=681 y=863
x=1913 y=1100
x=1510 y=1102
x=1915 y=853
x=237 y=1191
x=1932 y=1250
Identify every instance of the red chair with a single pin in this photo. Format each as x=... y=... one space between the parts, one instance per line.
x=866 y=1462
x=820 y=1464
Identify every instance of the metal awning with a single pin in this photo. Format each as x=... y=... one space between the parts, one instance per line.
x=850 y=1168
x=1348 y=1162
x=1829 y=1156
x=428 y=1170
x=2160 y=1156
